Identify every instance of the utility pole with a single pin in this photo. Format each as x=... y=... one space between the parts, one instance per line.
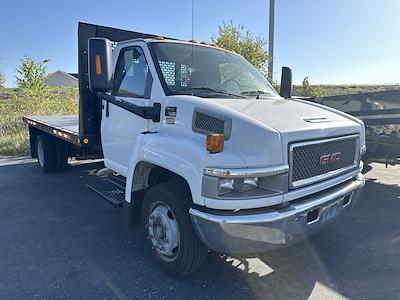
x=271 y=39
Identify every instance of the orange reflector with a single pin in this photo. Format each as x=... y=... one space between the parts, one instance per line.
x=215 y=143
x=193 y=41
x=86 y=141
x=98 y=65
x=159 y=37
x=204 y=43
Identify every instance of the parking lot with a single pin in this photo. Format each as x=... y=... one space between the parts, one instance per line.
x=59 y=239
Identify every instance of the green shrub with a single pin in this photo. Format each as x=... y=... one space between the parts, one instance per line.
x=17 y=103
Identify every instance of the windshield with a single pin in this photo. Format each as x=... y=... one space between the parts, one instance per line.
x=207 y=72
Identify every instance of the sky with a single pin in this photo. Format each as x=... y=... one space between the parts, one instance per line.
x=331 y=42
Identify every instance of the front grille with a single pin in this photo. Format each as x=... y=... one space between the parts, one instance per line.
x=317 y=160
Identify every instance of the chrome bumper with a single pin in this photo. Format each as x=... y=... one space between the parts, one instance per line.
x=247 y=232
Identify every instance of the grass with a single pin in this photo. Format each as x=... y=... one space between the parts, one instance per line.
x=336 y=90
x=14 y=104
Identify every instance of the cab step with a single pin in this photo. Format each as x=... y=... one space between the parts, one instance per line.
x=109 y=190
x=117 y=179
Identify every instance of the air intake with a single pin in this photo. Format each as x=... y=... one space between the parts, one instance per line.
x=207 y=122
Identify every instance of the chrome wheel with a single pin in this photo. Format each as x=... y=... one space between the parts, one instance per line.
x=40 y=154
x=163 y=231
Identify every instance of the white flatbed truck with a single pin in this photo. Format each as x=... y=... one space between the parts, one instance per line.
x=224 y=162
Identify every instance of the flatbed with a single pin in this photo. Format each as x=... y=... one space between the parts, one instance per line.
x=65 y=127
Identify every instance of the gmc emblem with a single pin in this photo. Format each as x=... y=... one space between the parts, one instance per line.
x=329 y=158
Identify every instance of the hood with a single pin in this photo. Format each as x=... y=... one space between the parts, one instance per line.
x=294 y=120
x=261 y=130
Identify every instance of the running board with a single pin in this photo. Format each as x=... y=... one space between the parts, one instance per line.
x=109 y=190
x=117 y=179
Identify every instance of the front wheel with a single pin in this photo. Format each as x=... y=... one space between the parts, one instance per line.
x=174 y=245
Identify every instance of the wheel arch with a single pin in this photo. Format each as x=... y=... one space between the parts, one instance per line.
x=147 y=174
x=172 y=157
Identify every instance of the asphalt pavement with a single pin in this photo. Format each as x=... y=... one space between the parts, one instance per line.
x=58 y=239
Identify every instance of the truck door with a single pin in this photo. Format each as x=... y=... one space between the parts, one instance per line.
x=119 y=127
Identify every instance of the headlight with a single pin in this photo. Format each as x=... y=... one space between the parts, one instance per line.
x=246 y=183
x=227 y=185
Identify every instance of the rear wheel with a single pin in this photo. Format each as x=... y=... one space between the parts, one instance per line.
x=46 y=153
x=62 y=154
x=174 y=244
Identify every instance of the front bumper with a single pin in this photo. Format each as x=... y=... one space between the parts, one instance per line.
x=248 y=232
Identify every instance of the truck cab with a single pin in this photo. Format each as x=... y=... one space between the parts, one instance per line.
x=225 y=162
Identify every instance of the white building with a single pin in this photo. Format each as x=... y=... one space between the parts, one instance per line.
x=61 y=78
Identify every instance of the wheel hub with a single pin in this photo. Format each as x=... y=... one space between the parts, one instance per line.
x=164 y=232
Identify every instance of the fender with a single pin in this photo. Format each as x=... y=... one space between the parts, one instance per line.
x=175 y=155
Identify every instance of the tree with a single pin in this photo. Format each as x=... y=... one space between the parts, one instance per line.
x=308 y=90
x=31 y=76
x=2 y=79
x=236 y=39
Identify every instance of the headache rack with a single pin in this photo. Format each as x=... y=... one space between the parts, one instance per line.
x=89 y=105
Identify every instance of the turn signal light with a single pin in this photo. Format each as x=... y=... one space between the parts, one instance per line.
x=215 y=143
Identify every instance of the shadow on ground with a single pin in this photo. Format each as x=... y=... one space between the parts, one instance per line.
x=59 y=239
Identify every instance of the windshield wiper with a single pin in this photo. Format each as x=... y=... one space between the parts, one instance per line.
x=255 y=93
x=204 y=88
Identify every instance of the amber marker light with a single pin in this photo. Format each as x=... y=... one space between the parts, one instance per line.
x=86 y=141
x=193 y=41
x=98 y=64
x=159 y=37
x=204 y=43
x=215 y=143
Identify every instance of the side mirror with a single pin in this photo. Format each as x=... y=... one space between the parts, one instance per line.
x=100 y=65
x=286 y=83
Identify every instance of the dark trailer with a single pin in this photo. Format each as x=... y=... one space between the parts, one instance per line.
x=375 y=109
x=76 y=135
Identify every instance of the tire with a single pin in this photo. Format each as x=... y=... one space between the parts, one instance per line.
x=46 y=153
x=62 y=154
x=165 y=216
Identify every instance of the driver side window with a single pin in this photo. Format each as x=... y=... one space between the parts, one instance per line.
x=132 y=76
